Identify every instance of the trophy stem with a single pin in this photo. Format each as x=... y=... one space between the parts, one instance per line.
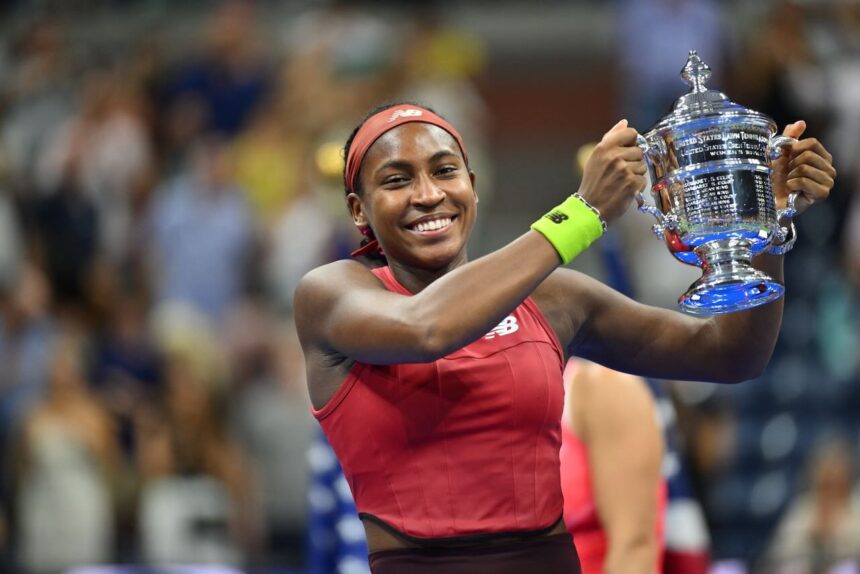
x=729 y=282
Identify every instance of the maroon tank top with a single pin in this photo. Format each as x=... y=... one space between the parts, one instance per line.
x=464 y=446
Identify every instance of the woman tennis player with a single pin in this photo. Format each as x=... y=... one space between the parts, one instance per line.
x=438 y=380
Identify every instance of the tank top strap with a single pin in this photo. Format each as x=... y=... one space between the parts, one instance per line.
x=385 y=275
x=532 y=308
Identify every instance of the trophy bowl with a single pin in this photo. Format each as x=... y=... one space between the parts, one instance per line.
x=709 y=163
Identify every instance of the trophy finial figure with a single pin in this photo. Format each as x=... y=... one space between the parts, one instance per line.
x=696 y=72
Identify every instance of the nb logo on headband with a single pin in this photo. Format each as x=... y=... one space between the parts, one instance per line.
x=408 y=113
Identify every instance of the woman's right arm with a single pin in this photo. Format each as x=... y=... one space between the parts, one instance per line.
x=343 y=308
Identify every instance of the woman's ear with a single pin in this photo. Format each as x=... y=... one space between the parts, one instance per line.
x=474 y=189
x=356 y=209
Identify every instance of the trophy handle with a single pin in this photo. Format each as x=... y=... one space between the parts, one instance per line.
x=774 y=150
x=783 y=232
x=776 y=145
x=664 y=221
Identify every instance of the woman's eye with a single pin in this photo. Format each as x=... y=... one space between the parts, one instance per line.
x=394 y=180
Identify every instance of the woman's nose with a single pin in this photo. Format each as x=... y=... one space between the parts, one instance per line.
x=427 y=193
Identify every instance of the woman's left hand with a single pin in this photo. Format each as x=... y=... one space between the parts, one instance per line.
x=804 y=167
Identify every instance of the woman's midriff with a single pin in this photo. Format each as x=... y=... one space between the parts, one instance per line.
x=379 y=538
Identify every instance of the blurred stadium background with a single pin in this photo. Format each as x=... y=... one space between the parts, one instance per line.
x=169 y=170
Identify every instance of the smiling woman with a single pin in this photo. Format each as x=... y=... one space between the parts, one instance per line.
x=383 y=155
x=438 y=380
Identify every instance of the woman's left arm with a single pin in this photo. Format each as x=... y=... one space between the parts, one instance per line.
x=615 y=331
x=652 y=342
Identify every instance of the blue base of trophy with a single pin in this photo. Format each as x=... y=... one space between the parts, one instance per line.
x=727 y=298
x=730 y=282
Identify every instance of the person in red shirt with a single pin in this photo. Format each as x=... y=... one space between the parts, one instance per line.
x=611 y=476
x=438 y=380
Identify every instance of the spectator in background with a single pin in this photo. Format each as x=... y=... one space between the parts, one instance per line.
x=231 y=77
x=202 y=234
x=64 y=229
x=197 y=502
x=182 y=122
x=104 y=147
x=268 y=158
x=611 y=454
x=36 y=93
x=778 y=74
x=654 y=37
x=27 y=334
x=126 y=365
x=830 y=84
x=839 y=306
x=271 y=418
x=68 y=461
x=821 y=528
x=345 y=59
x=126 y=375
x=799 y=63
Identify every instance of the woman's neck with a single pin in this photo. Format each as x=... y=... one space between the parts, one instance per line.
x=415 y=279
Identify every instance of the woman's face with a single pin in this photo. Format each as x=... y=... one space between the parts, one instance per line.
x=417 y=195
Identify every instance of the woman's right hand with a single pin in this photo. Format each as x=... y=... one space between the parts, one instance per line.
x=614 y=173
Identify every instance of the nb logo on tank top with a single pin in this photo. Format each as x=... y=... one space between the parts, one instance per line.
x=506 y=327
x=410 y=113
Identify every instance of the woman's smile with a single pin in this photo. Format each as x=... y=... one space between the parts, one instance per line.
x=432 y=225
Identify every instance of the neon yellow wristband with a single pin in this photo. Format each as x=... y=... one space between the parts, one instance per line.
x=571 y=227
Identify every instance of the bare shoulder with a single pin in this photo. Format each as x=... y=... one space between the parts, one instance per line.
x=595 y=379
x=332 y=279
x=332 y=275
x=615 y=399
x=319 y=290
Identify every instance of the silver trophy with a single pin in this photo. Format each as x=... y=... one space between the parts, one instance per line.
x=709 y=162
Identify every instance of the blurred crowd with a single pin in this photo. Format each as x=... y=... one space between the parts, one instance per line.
x=157 y=207
x=164 y=187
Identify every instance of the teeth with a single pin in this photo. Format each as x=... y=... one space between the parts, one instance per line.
x=433 y=224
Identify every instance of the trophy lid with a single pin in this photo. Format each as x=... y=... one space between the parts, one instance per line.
x=702 y=103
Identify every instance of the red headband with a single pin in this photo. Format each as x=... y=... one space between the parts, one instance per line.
x=384 y=121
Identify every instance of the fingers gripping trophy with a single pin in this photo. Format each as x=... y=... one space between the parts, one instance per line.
x=711 y=165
